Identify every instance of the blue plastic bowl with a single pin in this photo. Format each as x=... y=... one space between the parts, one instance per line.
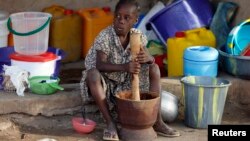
x=238 y=38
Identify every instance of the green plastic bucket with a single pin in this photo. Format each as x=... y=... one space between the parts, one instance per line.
x=204 y=100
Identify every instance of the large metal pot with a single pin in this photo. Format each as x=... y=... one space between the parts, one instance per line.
x=169 y=106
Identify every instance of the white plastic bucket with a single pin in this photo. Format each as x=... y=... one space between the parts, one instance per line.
x=3 y=29
x=37 y=65
x=31 y=32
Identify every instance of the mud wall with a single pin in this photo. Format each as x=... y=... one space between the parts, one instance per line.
x=37 y=5
x=243 y=10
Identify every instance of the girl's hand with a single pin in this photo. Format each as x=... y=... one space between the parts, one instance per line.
x=133 y=67
x=143 y=56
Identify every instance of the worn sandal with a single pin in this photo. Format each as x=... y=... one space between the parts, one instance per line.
x=171 y=133
x=110 y=135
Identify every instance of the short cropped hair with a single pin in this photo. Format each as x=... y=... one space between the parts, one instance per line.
x=132 y=2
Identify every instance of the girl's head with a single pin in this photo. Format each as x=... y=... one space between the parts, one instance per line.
x=126 y=15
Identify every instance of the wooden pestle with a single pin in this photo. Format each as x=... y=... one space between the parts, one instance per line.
x=135 y=44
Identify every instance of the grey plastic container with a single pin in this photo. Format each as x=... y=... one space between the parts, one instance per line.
x=238 y=66
x=204 y=100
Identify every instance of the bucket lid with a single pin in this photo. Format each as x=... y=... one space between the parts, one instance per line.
x=201 y=53
x=48 y=56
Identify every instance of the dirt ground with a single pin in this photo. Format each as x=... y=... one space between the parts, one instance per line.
x=15 y=127
x=19 y=127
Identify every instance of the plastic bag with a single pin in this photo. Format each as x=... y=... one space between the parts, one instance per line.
x=18 y=78
x=221 y=23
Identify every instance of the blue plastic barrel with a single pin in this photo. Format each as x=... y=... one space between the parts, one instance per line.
x=200 y=61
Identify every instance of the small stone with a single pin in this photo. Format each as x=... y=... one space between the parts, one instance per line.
x=5 y=125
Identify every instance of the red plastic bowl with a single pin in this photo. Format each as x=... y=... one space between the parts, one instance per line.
x=77 y=123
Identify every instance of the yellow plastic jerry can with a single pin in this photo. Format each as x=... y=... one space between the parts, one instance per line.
x=66 y=32
x=182 y=40
x=94 y=20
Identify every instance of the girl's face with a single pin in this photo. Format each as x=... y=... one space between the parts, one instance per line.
x=125 y=18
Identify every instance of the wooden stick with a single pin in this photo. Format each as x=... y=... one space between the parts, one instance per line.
x=135 y=44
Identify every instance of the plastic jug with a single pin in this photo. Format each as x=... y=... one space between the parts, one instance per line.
x=94 y=20
x=182 y=40
x=221 y=22
x=66 y=32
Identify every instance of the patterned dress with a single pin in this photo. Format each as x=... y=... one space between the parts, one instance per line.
x=113 y=82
